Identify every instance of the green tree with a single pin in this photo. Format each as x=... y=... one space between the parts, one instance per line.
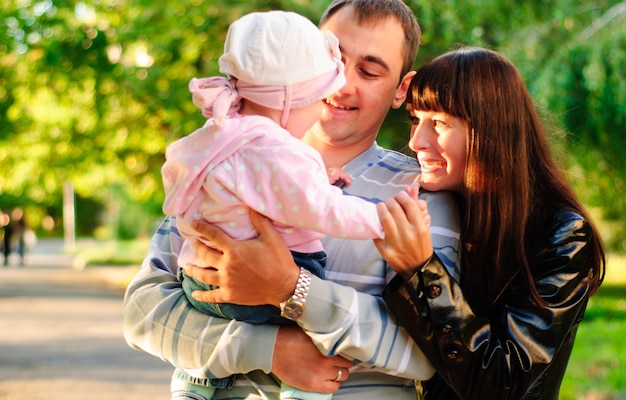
x=92 y=92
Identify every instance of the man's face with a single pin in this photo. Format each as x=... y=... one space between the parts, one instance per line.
x=373 y=57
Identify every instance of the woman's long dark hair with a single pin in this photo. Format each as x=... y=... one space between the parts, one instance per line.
x=511 y=185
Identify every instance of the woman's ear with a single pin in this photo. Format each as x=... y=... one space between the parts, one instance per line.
x=401 y=92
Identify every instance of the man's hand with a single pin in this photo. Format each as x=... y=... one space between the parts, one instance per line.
x=251 y=272
x=314 y=372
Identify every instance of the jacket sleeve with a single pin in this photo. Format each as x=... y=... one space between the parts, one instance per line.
x=159 y=320
x=499 y=356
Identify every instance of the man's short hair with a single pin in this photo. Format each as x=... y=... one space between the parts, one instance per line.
x=373 y=11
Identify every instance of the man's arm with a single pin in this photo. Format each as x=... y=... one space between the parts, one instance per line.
x=339 y=319
x=159 y=320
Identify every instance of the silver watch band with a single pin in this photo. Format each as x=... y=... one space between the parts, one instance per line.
x=293 y=308
x=302 y=286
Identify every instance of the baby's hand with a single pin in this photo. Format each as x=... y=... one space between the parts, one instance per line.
x=407 y=242
x=337 y=177
x=413 y=191
x=423 y=206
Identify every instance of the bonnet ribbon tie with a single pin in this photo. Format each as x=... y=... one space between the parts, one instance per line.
x=217 y=97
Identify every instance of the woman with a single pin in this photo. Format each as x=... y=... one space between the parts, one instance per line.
x=530 y=257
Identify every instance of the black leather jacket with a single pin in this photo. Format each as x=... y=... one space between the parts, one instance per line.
x=521 y=350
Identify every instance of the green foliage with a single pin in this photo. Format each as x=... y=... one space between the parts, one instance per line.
x=92 y=92
x=589 y=94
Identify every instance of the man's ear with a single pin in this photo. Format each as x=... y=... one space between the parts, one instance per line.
x=401 y=92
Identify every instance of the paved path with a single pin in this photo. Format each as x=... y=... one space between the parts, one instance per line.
x=61 y=335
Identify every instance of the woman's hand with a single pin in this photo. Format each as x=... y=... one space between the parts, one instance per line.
x=407 y=243
x=314 y=372
x=251 y=272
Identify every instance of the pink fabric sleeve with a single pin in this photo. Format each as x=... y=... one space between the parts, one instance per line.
x=290 y=186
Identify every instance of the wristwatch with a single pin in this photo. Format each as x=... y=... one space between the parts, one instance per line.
x=293 y=307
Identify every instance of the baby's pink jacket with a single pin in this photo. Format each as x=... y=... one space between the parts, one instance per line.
x=218 y=174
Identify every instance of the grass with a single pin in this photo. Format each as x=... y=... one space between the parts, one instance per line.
x=111 y=252
x=597 y=368
x=121 y=259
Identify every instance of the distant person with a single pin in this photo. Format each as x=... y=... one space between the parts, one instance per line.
x=7 y=234
x=17 y=232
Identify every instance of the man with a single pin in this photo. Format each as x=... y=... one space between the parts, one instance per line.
x=378 y=40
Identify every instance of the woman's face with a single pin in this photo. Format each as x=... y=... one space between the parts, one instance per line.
x=439 y=141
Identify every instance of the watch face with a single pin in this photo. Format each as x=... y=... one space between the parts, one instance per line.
x=292 y=310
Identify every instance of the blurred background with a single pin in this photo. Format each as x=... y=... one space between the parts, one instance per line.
x=91 y=93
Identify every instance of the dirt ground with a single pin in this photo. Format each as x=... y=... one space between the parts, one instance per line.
x=61 y=335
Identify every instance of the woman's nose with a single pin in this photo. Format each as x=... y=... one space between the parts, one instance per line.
x=418 y=137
